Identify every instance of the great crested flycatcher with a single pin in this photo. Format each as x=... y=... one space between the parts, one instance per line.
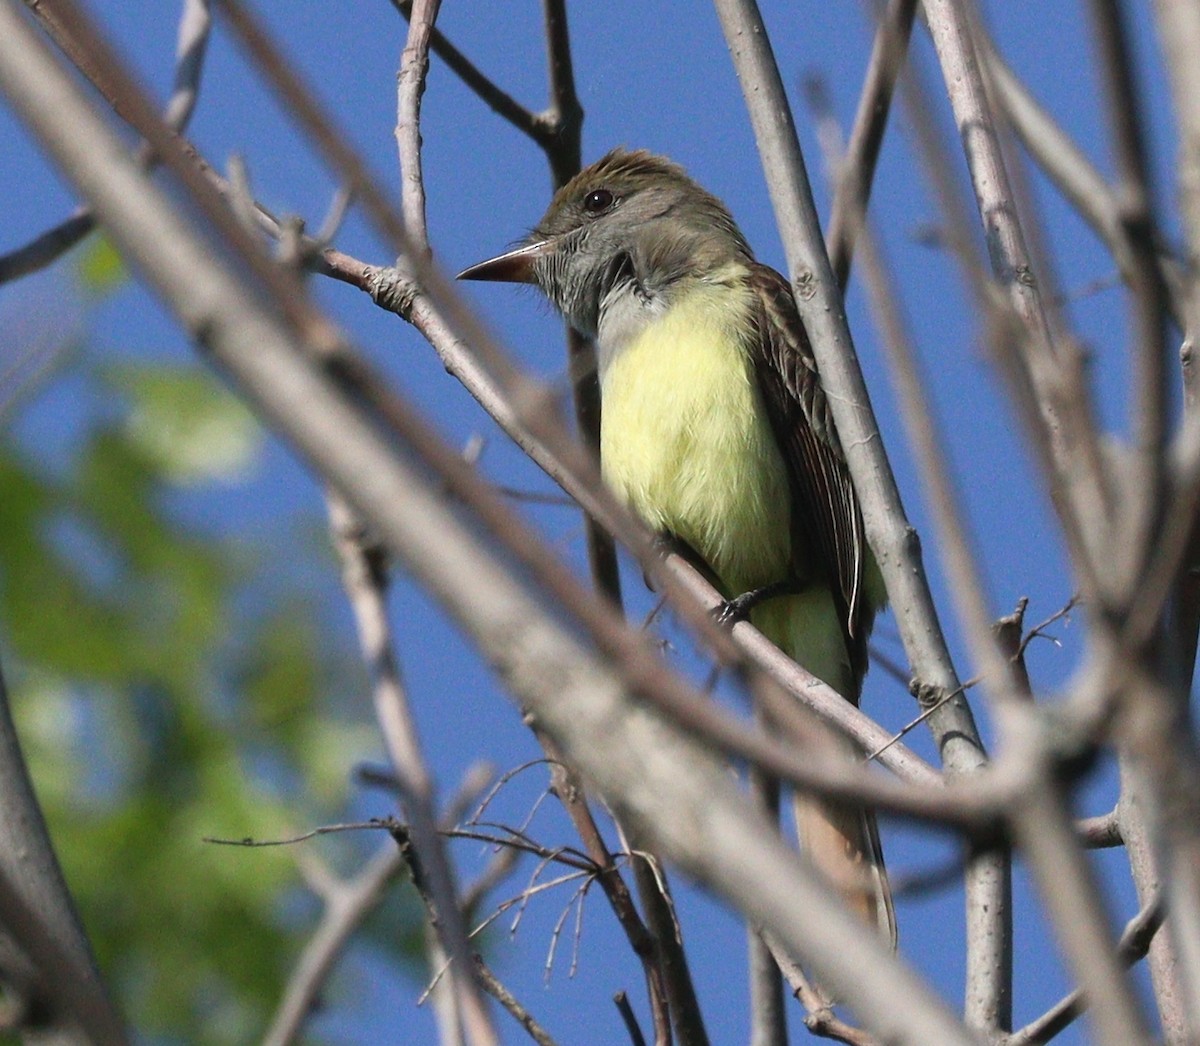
x=716 y=431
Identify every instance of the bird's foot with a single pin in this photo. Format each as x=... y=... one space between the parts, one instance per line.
x=738 y=609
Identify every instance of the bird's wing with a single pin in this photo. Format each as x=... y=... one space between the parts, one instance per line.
x=827 y=524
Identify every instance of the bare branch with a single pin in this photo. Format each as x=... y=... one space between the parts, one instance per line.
x=856 y=169
x=1148 y=422
x=38 y=916
x=391 y=705
x=1002 y=326
x=1098 y=833
x=410 y=86
x=820 y=1018
x=488 y=91
x=1074 y=902
x=1074 y=174
x=630 y=1019
x=892 y=538
x=346 y=905
x=47 y=248
x=564 y=116
x=1135 y=941
x=365 y=581
x=768 y=1018
x=301 y=104
x=491 y=984
x=563 y=119
x=989 y=930
x=1062 y=407
x=195 y=22
x=566 y=785
x=1179 y=35
x=195 y=26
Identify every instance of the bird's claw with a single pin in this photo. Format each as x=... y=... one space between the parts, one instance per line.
x=738 y=609
x=729 y=612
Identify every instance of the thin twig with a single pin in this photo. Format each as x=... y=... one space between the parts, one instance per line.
x=1101 y=832
x=491 y=984
x=410 y=87
x=478 y=776
x=302 y=106
x=565 y=784
x=46 y=248
x=630 y=1019
x=856 y=169
x=820 y=1018
x=487 y=90
x=564 y=115
x=347 y=904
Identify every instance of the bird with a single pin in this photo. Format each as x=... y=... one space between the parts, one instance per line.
x=716 y=431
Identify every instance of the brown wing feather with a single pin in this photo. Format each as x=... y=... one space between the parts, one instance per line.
x=827 y=528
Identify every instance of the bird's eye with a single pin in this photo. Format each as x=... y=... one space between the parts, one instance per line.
x=598 y=201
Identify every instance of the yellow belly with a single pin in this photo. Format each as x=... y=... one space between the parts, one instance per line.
x=686 y=443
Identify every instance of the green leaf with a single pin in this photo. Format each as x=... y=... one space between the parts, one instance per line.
x=187 y=424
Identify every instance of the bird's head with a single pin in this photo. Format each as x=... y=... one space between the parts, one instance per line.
x=630 y=218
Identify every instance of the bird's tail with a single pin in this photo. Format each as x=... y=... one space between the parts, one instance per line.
x=842 y=843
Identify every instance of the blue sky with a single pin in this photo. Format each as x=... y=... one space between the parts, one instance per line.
x=654 y=76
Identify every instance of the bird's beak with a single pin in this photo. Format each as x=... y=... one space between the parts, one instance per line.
x=515 y=266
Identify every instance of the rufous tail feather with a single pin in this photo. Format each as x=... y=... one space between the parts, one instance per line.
x=842 y=843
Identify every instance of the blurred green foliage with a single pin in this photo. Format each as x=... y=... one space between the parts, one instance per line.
x=171 y=684
x=99 y=267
